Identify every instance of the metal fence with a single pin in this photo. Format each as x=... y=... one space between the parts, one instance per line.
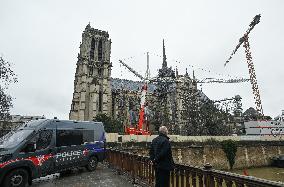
x=142 y=172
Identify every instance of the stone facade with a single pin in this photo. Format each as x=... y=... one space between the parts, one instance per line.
x=96 y=92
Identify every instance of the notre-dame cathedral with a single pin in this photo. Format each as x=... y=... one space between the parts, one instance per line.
x=96 y=92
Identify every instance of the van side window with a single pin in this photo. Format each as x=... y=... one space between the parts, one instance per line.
x=41 y=141
x=69 y=137
x=88 y=136
x=44 y=139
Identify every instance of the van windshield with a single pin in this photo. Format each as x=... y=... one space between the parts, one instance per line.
x=13 y=138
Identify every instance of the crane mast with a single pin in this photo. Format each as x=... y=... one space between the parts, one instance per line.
x=245 y=42
x=138 y=130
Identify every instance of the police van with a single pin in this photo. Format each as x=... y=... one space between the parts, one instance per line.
x=46 y=146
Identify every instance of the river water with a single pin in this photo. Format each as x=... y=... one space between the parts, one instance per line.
x=270 y=173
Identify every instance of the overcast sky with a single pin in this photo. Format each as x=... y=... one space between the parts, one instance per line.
x=41 y=39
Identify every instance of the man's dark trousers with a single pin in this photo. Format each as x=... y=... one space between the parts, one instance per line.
x=162 y=178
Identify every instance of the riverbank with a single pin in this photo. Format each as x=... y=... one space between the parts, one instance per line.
x=269 y=173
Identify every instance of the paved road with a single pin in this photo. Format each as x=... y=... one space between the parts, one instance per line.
x=102 y=177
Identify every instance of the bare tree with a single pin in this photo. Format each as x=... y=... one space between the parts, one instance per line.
x=7 y=76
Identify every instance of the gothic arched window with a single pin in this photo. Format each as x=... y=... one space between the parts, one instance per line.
x=100 y=101
x=101 y=72
x=91 y=70
x=100 y=50
x=92 y=51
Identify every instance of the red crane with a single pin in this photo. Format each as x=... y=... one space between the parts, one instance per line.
x=244 y=40
x=138 y=130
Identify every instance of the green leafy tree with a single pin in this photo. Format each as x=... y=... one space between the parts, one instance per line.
x=251 y=114
x=213 y=120
x=230 y=149
x=7 y=76
x=238 y=109
x=111 y=125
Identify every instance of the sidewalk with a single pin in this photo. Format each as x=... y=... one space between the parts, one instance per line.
x=102 y=177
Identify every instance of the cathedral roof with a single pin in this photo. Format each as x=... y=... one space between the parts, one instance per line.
x=164 y=74
x=130 y=85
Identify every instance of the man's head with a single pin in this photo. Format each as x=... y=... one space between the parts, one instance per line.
x=163 y=130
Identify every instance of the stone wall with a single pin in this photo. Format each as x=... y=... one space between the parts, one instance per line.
x=115 y=137
x=249 y=153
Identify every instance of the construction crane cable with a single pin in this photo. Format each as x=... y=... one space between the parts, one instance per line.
x=196 y=68
x=132 y=70
x=212 y=80
x=170 y=80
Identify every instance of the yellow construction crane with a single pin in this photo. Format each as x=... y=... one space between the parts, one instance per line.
x=244 y=40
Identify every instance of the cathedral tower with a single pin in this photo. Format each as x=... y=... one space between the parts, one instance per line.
x=92 y=92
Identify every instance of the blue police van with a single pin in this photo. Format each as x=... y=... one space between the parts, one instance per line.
x=46 y=146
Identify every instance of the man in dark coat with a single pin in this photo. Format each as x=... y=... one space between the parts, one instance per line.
x=161 y=156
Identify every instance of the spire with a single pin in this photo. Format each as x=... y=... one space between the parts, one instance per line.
x=186 y=74
x=176 y=71
x=88 y=26
x=194 y=80
x=164 y=56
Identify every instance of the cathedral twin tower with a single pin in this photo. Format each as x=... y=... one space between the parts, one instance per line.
x=92 y=91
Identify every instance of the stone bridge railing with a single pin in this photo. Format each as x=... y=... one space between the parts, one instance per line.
x=142 y=172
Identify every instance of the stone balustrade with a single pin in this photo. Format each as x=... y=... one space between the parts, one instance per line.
x=141 y=170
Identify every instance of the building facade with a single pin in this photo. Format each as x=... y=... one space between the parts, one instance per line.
x=96 y=92
x=92 y=92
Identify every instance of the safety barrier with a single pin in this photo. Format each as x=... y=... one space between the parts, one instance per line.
x=141 y=170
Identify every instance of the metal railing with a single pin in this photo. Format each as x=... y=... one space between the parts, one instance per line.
x=142 y=172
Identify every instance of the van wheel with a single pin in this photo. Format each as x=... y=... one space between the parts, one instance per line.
x=92 y=164
x=17 y=178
